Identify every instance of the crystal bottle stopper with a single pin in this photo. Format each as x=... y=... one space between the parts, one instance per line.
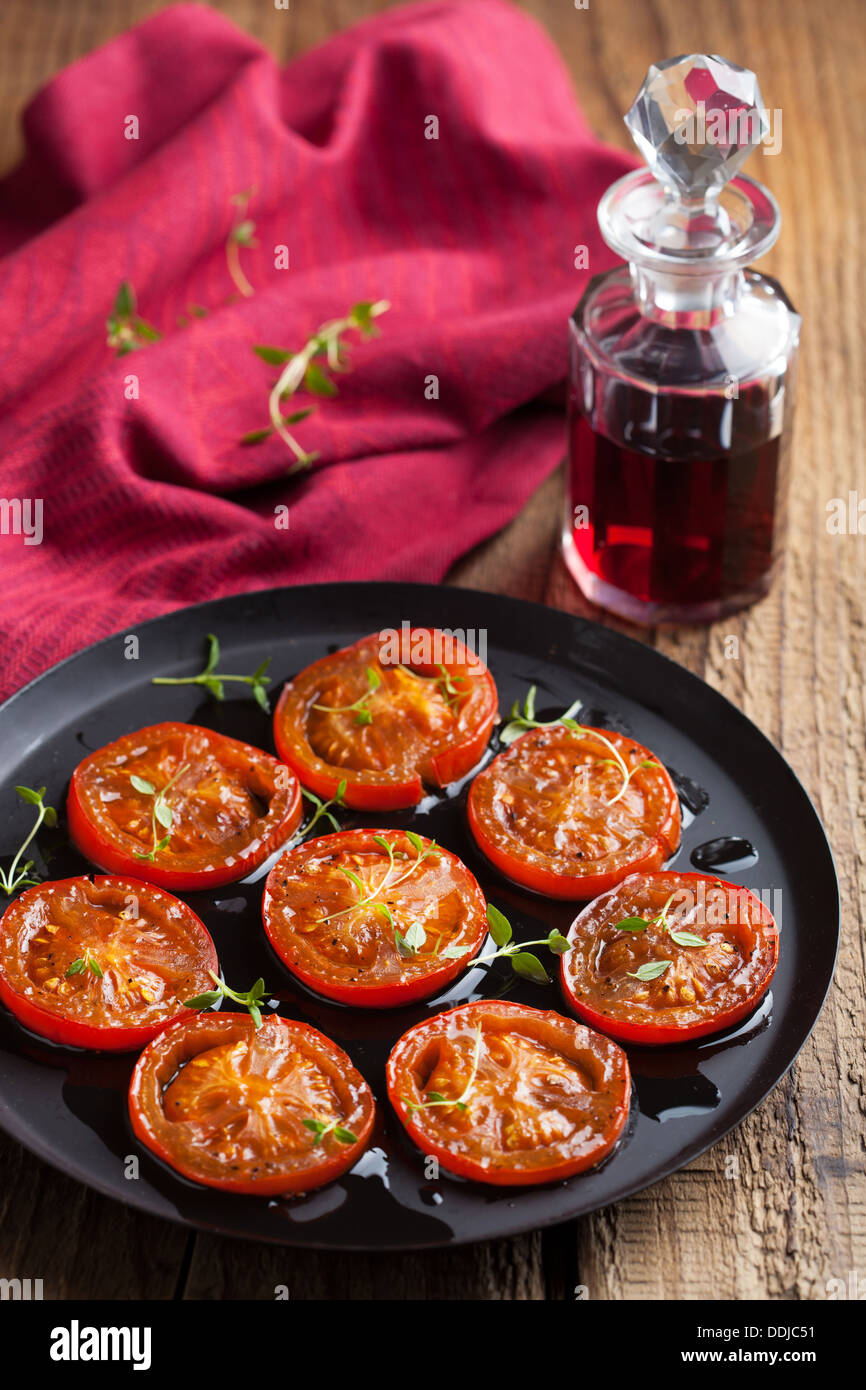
x=695 y=120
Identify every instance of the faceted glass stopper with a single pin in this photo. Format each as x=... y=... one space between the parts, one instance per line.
x=695 y=120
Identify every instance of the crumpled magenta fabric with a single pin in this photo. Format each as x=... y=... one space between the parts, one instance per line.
x=152 y=503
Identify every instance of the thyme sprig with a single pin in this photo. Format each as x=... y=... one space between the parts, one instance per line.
x=311 y=368
x=385 y=884
x=435 y=1098
x=242 y=234
x=18 y=875
x=193 y=311
x=86 y=962
x=520 y=722
x=522 y=961
x=214 y=681
x=652 y=969
x=161 y=813
x=127 y=330
x=446 y=684
x=322 y=809
x=619 y=762
x=321 y=1131
x=251 y=999
x=408 y=944
x=362 y=713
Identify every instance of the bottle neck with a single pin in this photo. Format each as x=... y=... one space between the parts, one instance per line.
x=686 y=301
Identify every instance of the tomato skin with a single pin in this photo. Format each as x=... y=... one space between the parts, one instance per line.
x=111 y=854
x=649 y=1034
x=384 y=995
x=188 y=1039
x=519 y=868
x=71 y=1032
x=370 y=789
x=642 y=1035
x=359 y=798
x=550 y=1028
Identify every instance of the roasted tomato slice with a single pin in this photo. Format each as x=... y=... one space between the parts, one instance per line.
x=666 y=957
x=387 y=728
x=270 y=1110
x=103 y=963
x=374 y=918
x=509 y=1095
x=213 y=807
x=568 y=814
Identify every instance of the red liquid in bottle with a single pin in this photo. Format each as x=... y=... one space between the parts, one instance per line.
x=675 y=534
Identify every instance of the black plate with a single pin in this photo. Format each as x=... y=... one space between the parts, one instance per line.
x=69 y=1106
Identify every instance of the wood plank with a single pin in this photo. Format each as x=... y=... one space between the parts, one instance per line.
x=506 y=1269
x=79 y=1243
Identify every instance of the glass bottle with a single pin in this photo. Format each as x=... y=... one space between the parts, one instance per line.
x=682 y=365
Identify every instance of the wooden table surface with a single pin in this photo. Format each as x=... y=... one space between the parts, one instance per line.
x=796 y=1216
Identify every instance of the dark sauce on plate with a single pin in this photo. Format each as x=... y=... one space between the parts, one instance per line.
x=729 y=854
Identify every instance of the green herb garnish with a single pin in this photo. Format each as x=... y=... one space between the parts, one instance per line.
x=445 y=683
x=309 y=369
x=362 y=713
x=410 y=943
x=251 y=999
x=193 y=311
x=448 y=685
x=161 y=813
x=523 y=962
x=632 y=924
x=20 y=877
x=386 y=884
x=640 y=924
x=86 y=962
x=322 y=809
x=521 y=721
x=321 y=1131
x=434 y=1098
x=524 y=719
x=214 y=680
x=652 y=969
x=127 y=330
x=241 y=234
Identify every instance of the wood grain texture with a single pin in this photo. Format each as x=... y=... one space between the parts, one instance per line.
x=779 y=1207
